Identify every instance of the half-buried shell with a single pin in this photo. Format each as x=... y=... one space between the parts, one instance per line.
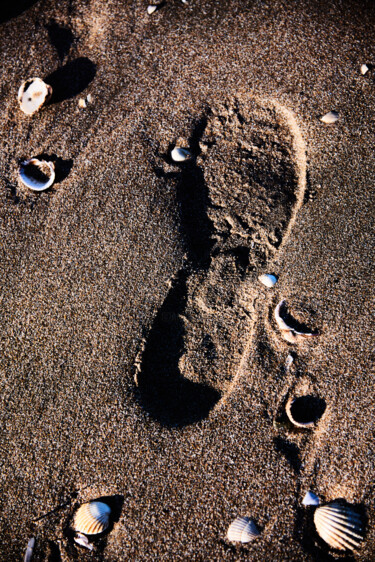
x=33 y=93
x=92 y=518
x=180 y=154
x=289 y=333
x=242 y=530
x=37 y=175
x=339 y=525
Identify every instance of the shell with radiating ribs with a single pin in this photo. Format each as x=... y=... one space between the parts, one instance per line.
x=339 y=525
x=92 y=518
x=242 y=530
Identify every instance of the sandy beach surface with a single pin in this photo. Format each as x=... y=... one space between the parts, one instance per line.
x=140 y=357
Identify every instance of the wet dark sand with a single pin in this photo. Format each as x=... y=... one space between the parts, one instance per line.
x=139 y=356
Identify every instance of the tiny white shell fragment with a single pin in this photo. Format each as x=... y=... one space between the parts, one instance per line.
x=37 y=175
x=151 y=9
x=82 y=540
x=92 y=518
x=330 y=117
x=82 y=103
x=180 y=154
x=242 y=529
x=32 y=94
x=339 y=526
x=268 y=280
x=288 y=361
x=89 y=98
x=310 y=499
x=29 y=550
x=290 y=334
x=364 y=69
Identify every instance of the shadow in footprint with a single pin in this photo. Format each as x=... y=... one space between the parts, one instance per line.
x=60 y=37
x=164 y=393
x=12 y=8
x=62 y=167
x=290 y=452
x=71 y=79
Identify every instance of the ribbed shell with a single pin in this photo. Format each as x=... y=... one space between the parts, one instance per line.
x=339 y=526
x=92 y=518
x=242 y=530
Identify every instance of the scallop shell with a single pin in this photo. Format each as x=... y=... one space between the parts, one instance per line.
x=268 y=280
x=242 y=530
x=92 y=518
x=37 y=175
x=180 y=154
x=33 y=93
x=339 y=526
x=290 y=334
x=330 y=117
x=310 y=499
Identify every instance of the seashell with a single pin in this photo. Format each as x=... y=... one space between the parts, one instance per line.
x=310 y=499
x=364 y=69
x=82 y=103
x=268 y=280
x=242 y=530
x=339 y=526
x=305 y=411
x=289 y=361
x=151 y=9
x=37 y=175
x=290 y=334
x=330 y=117
x=33 y=93
x=180 y=154
x=82 y=540
x=92 y=518
x=29 y=550
x=89 y=98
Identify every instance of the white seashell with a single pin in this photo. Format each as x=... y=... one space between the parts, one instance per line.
x=364 y=69
x=33 y=93
x=82 y=103
x=242 y=530
x=89 y=98
x=92 y=518
x=180 y=154
x=37 y=175
x=151 y=9
x=288 y=361
x=29 y=550
x=339 y=526
x=330 y=117
x=310 y=499
x=268 y=280
x=290 y=334
x=82 y=540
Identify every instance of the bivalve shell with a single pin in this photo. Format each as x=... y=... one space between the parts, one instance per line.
x=37 y=175
x=242 y=529
x=151 y=9
x=180 y=154
x=339 y=526
x=33 y=93
x=310 y=499
x=268 y=280
x=92 y=518
x=289 y=333
x=330 y=117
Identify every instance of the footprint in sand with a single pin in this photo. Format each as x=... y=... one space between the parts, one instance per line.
x=238 y=202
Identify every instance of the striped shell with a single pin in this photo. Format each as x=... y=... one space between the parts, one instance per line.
x=37 y=175
x=33 y=94
x=92 y=518
x=242 y=530
x=339 y=526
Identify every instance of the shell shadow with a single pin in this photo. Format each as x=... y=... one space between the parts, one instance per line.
x=71 y=79
x=62 y=167
x=290 y=451
x=60 y=37
x=13 y=8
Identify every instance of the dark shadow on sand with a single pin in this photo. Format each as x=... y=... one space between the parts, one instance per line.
x=71 y=79
x=12 y=8
x=61 y=38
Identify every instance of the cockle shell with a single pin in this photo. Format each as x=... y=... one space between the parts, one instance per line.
x=92 y=518
x=310 y=499
x=290 y=334
x=33 y=93
x=180 y=154
x=339 y=526
x=242 y=530
x=330 y=117
x=37 y=175
x=268 y=279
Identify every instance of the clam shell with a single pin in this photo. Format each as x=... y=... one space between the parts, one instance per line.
x=33 y=93
x=151 y=9
x=37 y=175
x=92 y=518
x=242 y=530
x=339 y=526
x=364 y=69
x=308 y=410
x=330 y=117
x=290 y=334
x=180 y=154
x=268 y=280
x=310 y=499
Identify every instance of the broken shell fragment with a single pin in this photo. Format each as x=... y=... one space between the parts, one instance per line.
x=92 y=518
x=37 y=175
x=330 y=117
x=180 y=154
x=151 y=9
x=364 y=69
x=33 y=93
x=305 y=411
x=289 y=333
x=242 y=530
x=339 y=525
x=82 y=540
x=29 y=550
x=268 y=280
x=310 y=499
